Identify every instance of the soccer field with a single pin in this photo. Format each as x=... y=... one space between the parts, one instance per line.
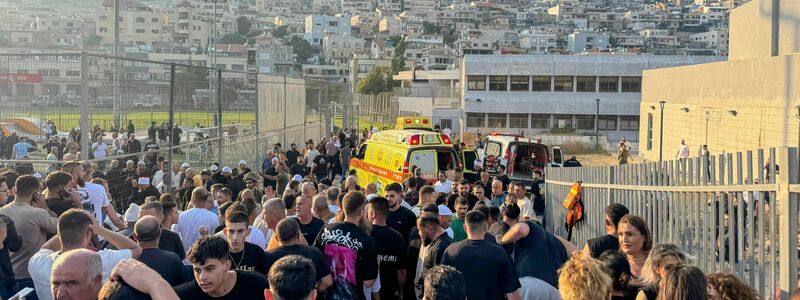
x=69 y=118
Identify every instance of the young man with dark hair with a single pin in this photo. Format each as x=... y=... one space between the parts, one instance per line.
x=168 y=240
x=463 y=192
x=435 y=240
x=349 y=250
x=147 y=232
x=244 y=256
x=608 y=241
x=288 y=233
x=444 y=283
x=214 y=277
x=390 y=247
x=76 y=229
x=400 y=217
x=292 y=278
x=457 y=223
x=537 y=253
x=32 y=223
x=476 y=259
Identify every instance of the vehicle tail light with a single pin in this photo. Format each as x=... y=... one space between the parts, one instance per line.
x=425 y=121
x=414 y=140
x=408 y=121
x=446 y=140
x=405 y=167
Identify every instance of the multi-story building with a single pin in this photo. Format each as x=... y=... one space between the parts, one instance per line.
x=438 y=58
x=318 y=26
x=485 y=41
x=272 y=57
x=196 y=23
x=537 y=42
x=715 y=40
x=535 y=93
x=339 y=49
x=392 y=7
x=333 y=73
x=580 y=41
x=392 y=25
x=356 y=7
x=419 y=5
x=139 y=24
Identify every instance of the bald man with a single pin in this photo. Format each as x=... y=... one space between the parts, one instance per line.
x=76 y=274
x=147 y=232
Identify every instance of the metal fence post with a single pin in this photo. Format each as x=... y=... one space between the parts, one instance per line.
x=168 y=187
x=787 y=205
x=258 y=125
x=86 y=141
x=285 y=109
x=221 y=140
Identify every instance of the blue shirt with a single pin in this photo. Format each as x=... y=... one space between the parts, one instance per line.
x=21 y=149
x=266 y=164
x=499 y=200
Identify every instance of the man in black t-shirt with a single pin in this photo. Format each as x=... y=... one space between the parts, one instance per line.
x=435 y=239
x=309 y=224
x=168 y=241
x=321 y=168
x=289 y=242
x=147 y=232
x=292 y=155
x=350 y=252
x=400 y=219
x=463 y=191
x=390 y=247
x=487 y=269
x=244 y=256
x=596 y=246
x=299 y=168
x=214 y=278
x=292 y=278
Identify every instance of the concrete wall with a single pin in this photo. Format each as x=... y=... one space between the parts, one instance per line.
x=751 y=29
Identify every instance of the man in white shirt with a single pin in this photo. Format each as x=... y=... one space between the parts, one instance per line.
x=75 y=231
x=94 y=197
x=197 y=219
x=99 y=148
x=683 y=151
x=443 y=185
x=525 y=205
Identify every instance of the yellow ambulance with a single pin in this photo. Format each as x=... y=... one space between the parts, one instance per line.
x=421 y=123
x=390 y=155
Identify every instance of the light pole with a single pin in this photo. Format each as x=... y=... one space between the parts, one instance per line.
x=707 y=117
x=597 y=125
x=661 y=135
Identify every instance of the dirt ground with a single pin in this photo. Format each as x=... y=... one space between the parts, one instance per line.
x=589 y=160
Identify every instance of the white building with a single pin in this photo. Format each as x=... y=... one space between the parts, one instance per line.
x=537 y=42
x=139 y=23
x=317 y=26
x=714 y=39
x=535 y=93
x=356 y=7
x=580 y=41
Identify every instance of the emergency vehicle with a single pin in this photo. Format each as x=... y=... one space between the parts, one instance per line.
x=520 y=156
x=390 y=155
x=421 y=123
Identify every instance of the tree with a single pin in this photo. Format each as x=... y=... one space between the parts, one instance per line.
x=394 y=39
x=449 y=36
x=375 y=82
x=232 y=38
x=243 y=25
x=187 y=80
x=302 y=49
x=398 y=60
x=431 y=28
x=281 y=31
x=92 y=40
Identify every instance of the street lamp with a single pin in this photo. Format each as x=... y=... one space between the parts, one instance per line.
x=661 y=135
x=597 y=124
x=707 y=117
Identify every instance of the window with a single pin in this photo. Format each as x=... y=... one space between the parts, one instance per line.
x=563 y=121
x=607 y=123
x=155 y=31
x=73 y=73
x=103 y=18
x=476 y=83
x=498 y=83
x=609 y=84
x=154 y=20
x=139 y=20
x=497 y=120
x=540 y=121
x=586 y=83
x=139 y=30
x=518 y=120
x=563 y=84
x=237 y=67
x=649 y=131
x=103 y=30
x=631 y=84
x=541 y=83
x=585 y=122
x=476 y=120
x=519 y=83
x=446 y=123
x=629 y=123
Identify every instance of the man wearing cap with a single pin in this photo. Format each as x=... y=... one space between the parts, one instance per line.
x=216 y=175
x=445 y=217
x=144 y=190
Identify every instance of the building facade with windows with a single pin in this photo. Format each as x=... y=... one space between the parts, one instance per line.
x=558 y=93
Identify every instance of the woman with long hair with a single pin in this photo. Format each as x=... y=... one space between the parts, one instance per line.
x=635 y=242
x=725 y=286
x=683 y=283
x=662 y=258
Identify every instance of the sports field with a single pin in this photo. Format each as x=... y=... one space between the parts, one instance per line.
x=68 y=118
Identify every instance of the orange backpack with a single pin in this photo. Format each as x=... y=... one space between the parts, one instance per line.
x=574 y=205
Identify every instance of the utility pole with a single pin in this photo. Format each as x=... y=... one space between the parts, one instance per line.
x=707 y=117
x=661 y=135
x=116 y=101
x=597 y=125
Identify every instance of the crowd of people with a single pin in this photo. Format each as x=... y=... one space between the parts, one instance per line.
x=302 y=227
